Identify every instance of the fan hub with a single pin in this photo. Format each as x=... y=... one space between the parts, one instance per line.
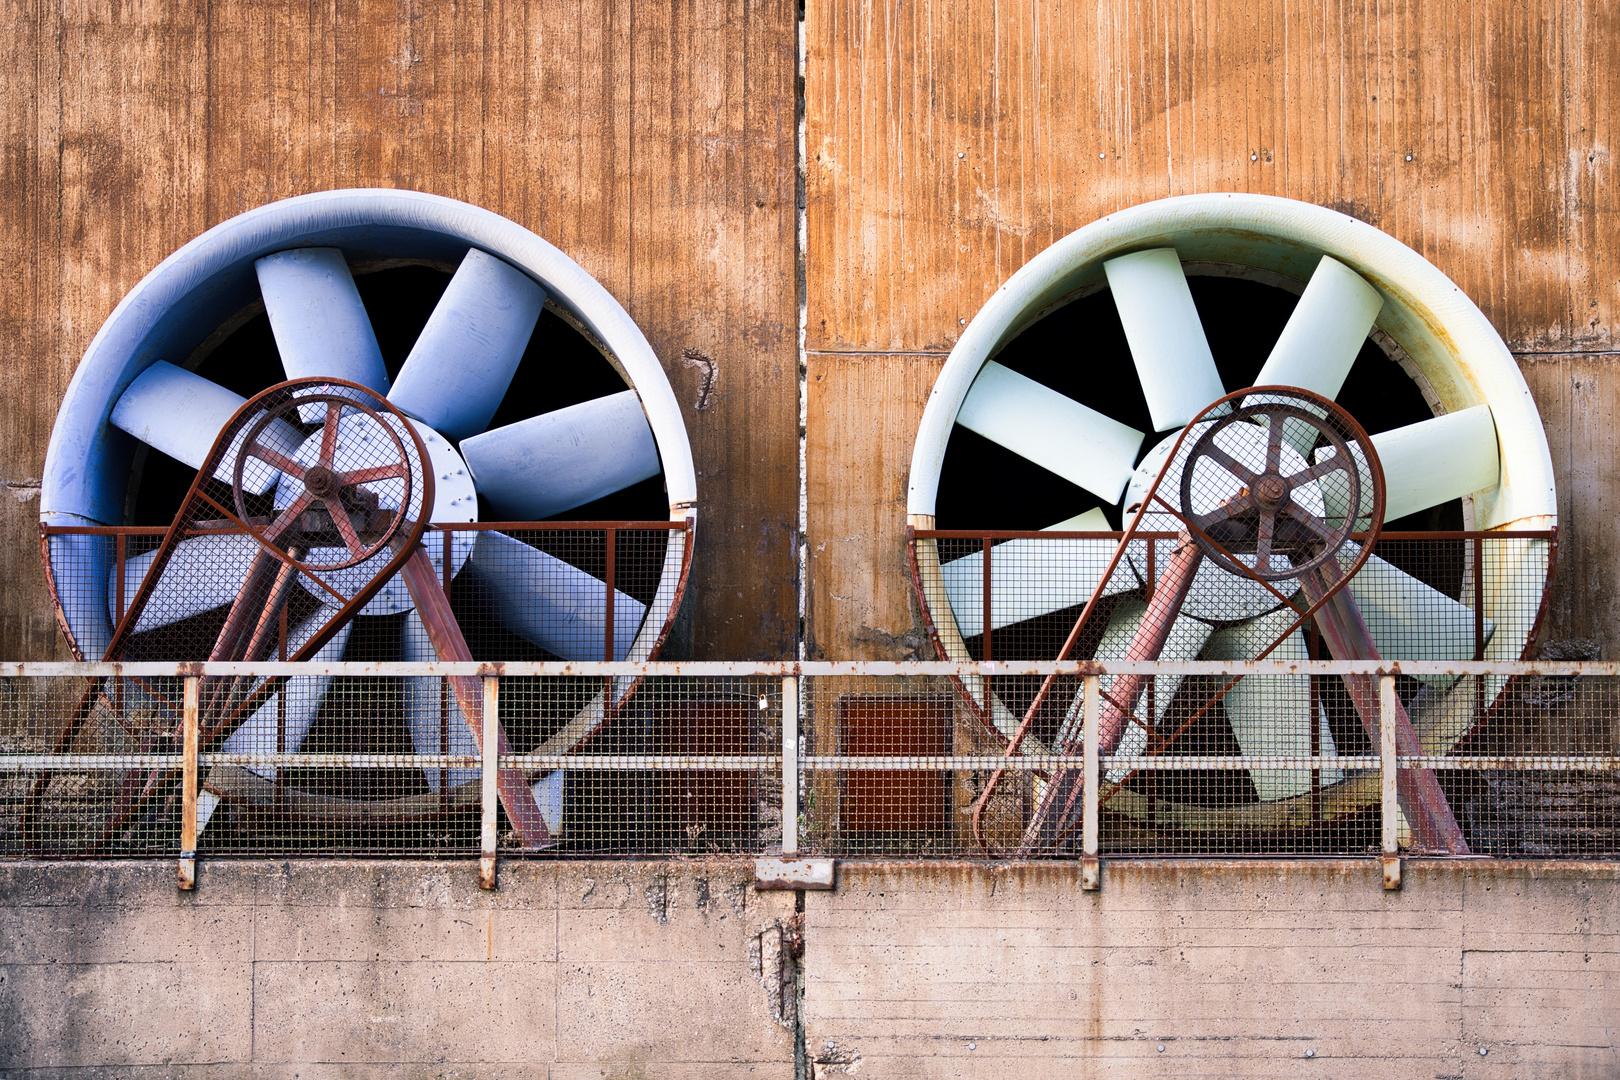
x=1271 y=491
x=320 y=481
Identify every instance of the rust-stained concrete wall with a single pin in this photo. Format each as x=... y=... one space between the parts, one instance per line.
x=947 y=144
x=574 y=970
x=1236 y=969
x=652 y=143
x=371 y=969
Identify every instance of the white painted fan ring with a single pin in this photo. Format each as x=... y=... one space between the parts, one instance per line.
x=192 y=292
x=1453 y=347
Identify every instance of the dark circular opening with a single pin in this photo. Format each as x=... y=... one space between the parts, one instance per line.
x=1079 y=350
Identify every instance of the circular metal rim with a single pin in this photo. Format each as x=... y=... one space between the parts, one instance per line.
x=190 y=293
x=1448 y=339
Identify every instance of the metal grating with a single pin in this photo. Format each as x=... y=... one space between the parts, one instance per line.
x=890 y=760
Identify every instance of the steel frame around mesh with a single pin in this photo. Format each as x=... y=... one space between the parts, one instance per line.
x=745 y=759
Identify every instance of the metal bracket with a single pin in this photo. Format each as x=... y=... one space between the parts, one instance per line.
x=809 y=874
x=1090 y=873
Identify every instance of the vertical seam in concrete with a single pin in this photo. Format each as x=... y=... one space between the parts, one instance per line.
x=801 y=1056
x=800 y=276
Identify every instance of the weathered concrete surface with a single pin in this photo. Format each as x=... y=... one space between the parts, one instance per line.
x=1236 y=969
x=591 y=970
x=372 y=969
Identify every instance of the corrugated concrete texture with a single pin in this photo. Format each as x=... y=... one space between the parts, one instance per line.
x=948 y=144
x=652 y=143
x=1185 y=969
x=392 y=969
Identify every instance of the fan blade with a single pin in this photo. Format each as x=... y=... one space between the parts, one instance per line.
x=319 y=321
x=559 y=460
x=465 y=357
x=1437 y=460
x=1173 y=361
x=1325 y=333
x=181 y=414
x=431 y=709
x=1409 y=620
x=550 y=603
x=1034 y=577
x=1057 y=433
x=304 y=695
x=1271 y=714
x=548 y=796
x=203 y=573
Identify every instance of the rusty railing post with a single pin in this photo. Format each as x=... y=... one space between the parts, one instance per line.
x=1091 y=770
x=790 y=765
x=489 y=791
x=1389 y=803
x=186 y=873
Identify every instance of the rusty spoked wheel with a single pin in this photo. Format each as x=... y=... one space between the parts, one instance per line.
x=343 y=475
x=1304 y=489
x=355 y=479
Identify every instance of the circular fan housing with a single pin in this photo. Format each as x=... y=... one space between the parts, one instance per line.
x=1484 y=444
x=278 y=250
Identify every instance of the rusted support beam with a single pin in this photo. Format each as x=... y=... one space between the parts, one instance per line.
x=1059 y=805
x=448 y=644
x=1434 y=826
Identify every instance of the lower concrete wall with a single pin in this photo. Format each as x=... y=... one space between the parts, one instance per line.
x=405 y=969
x=367 y=969
x=1238 y=969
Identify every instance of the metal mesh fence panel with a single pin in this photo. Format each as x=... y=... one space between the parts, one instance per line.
x=384 y=764
x=117 y=789
x=518 y=591
x=1537 y=771
x=908 y=761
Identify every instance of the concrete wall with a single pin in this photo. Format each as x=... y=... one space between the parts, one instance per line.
x=369 y=969
x=1236 y=969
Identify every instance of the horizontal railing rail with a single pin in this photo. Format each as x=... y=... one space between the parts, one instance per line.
x=786 y=758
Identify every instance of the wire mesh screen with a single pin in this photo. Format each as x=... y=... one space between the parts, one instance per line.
x=1538 y=775
x=517 y=591
x=645 y=760
x=685 y=766
x=119 y=780
x=374 y=765
x=877 y=774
